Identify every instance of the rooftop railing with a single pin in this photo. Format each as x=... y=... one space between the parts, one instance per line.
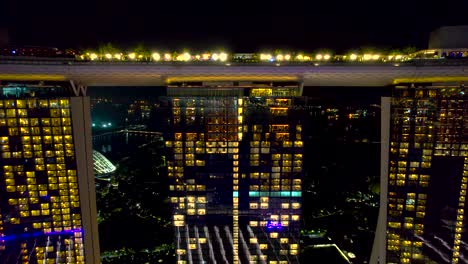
x=407 y=61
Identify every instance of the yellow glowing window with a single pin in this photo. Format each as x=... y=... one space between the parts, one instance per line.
x=11 y=112
x=253 y=223
x=35 y=212
x=296 y=205
x=273 y=235
x=201 y=211
x=31 y=180
x=10 y=181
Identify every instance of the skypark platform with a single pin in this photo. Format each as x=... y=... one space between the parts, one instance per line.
x=164 y=73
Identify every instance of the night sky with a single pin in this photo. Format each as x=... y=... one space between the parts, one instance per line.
x=238 y=25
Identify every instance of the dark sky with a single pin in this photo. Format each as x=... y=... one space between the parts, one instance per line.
x=238 y=25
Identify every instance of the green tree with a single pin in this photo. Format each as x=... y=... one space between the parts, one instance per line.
x=141 y=50
x=409 y=50
x=108 y=47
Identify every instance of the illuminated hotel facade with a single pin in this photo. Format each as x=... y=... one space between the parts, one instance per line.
x=235 y=162
x=47 y=202
x=424 y=184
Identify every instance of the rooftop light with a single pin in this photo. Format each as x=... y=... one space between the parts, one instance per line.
x=265 y=56
x=186 y=56
x=223 y=56
x=318 y=56
x=156 y=56
x=353 y=56
x=132 y=56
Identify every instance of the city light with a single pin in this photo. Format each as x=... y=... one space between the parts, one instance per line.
x=265 y=57
x=250 y=57
x=186 y=56
x=156 y=56
x=223 y=56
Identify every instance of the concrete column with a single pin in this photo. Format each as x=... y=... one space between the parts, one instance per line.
x=379 y=248
x=81 y=121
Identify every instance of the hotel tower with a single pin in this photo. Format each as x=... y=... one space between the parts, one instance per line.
x=47 y=202
x=235 y=155
x=425 y=175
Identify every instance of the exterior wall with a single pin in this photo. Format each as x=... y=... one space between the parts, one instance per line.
x=428 y=175
x=42 y=211
x=378 y=254
x=81 y=117
x=123 y=74
x=235 y=163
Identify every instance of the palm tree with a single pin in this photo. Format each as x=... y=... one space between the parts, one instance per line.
x=141 y=50
x=409 y=50
x=107 y=48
